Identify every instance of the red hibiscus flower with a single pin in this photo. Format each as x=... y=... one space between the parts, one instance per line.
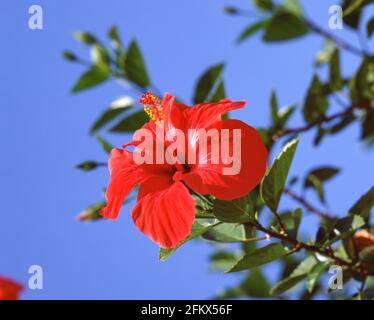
x=165 y=210
x=9 y=289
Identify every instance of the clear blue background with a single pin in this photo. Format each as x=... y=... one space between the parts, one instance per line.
x=44 y=133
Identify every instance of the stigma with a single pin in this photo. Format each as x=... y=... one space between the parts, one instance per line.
x=152 y=107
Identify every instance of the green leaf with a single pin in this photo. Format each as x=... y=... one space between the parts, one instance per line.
x=219 y=93
x=198 y=229
x=91 y=78
x=263 y=4
x=135 y=69
x=295 y=277
x=274 y=107
x=131 y=123
x=252 y=29
x=92 y=212
x=229 y=232
x=117 y=108
x=113 y=35
x=352 y=11
x=221 y=260
x=284 y=25
x=254 y=285
x=293 y=7
x=207 y=83
x=291 y=220
x=323 y=174
x=370 y=27
x=335 y=80
x=237 y=210
x=323 y=56
x=84 y=37
x=364 y=205
x=68 y=55
x=104 y=144
x=315 y=104
x=316 y=177
x=345 y=228
x=367 y=128
x=100 y=56
x=362 y=84
x=273 y=183
x=259 y=257
x=314 y=274
x=87 y=165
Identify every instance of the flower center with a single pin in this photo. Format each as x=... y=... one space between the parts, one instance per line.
x=152 y=106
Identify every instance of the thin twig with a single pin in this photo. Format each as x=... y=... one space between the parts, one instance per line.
x=301 y=245
x=338 y=41
x=323 y=119
x=306 y=204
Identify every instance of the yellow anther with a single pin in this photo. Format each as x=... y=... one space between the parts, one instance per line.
x=152 y=106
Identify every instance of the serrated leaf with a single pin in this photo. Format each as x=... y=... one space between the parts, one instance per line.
x=207 y=82
x=131 y=123
x=364 y=205
x=273 y=183
x=259 y=257
x=295 y=277
x=91 y=78
x=237 y=210
x=135 y=69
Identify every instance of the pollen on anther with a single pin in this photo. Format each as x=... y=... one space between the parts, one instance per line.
x=152 y=106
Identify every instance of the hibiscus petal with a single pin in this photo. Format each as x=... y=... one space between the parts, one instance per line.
x=202 y=115
x=165 y=211
x=124 y=175
x=209 y=178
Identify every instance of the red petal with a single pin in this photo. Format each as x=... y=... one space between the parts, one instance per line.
x=165 y=211
x=202 y=115
x=9 y=289
x=124 y=175
x=209 y=179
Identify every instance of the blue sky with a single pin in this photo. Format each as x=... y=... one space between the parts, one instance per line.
x=44 y=132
